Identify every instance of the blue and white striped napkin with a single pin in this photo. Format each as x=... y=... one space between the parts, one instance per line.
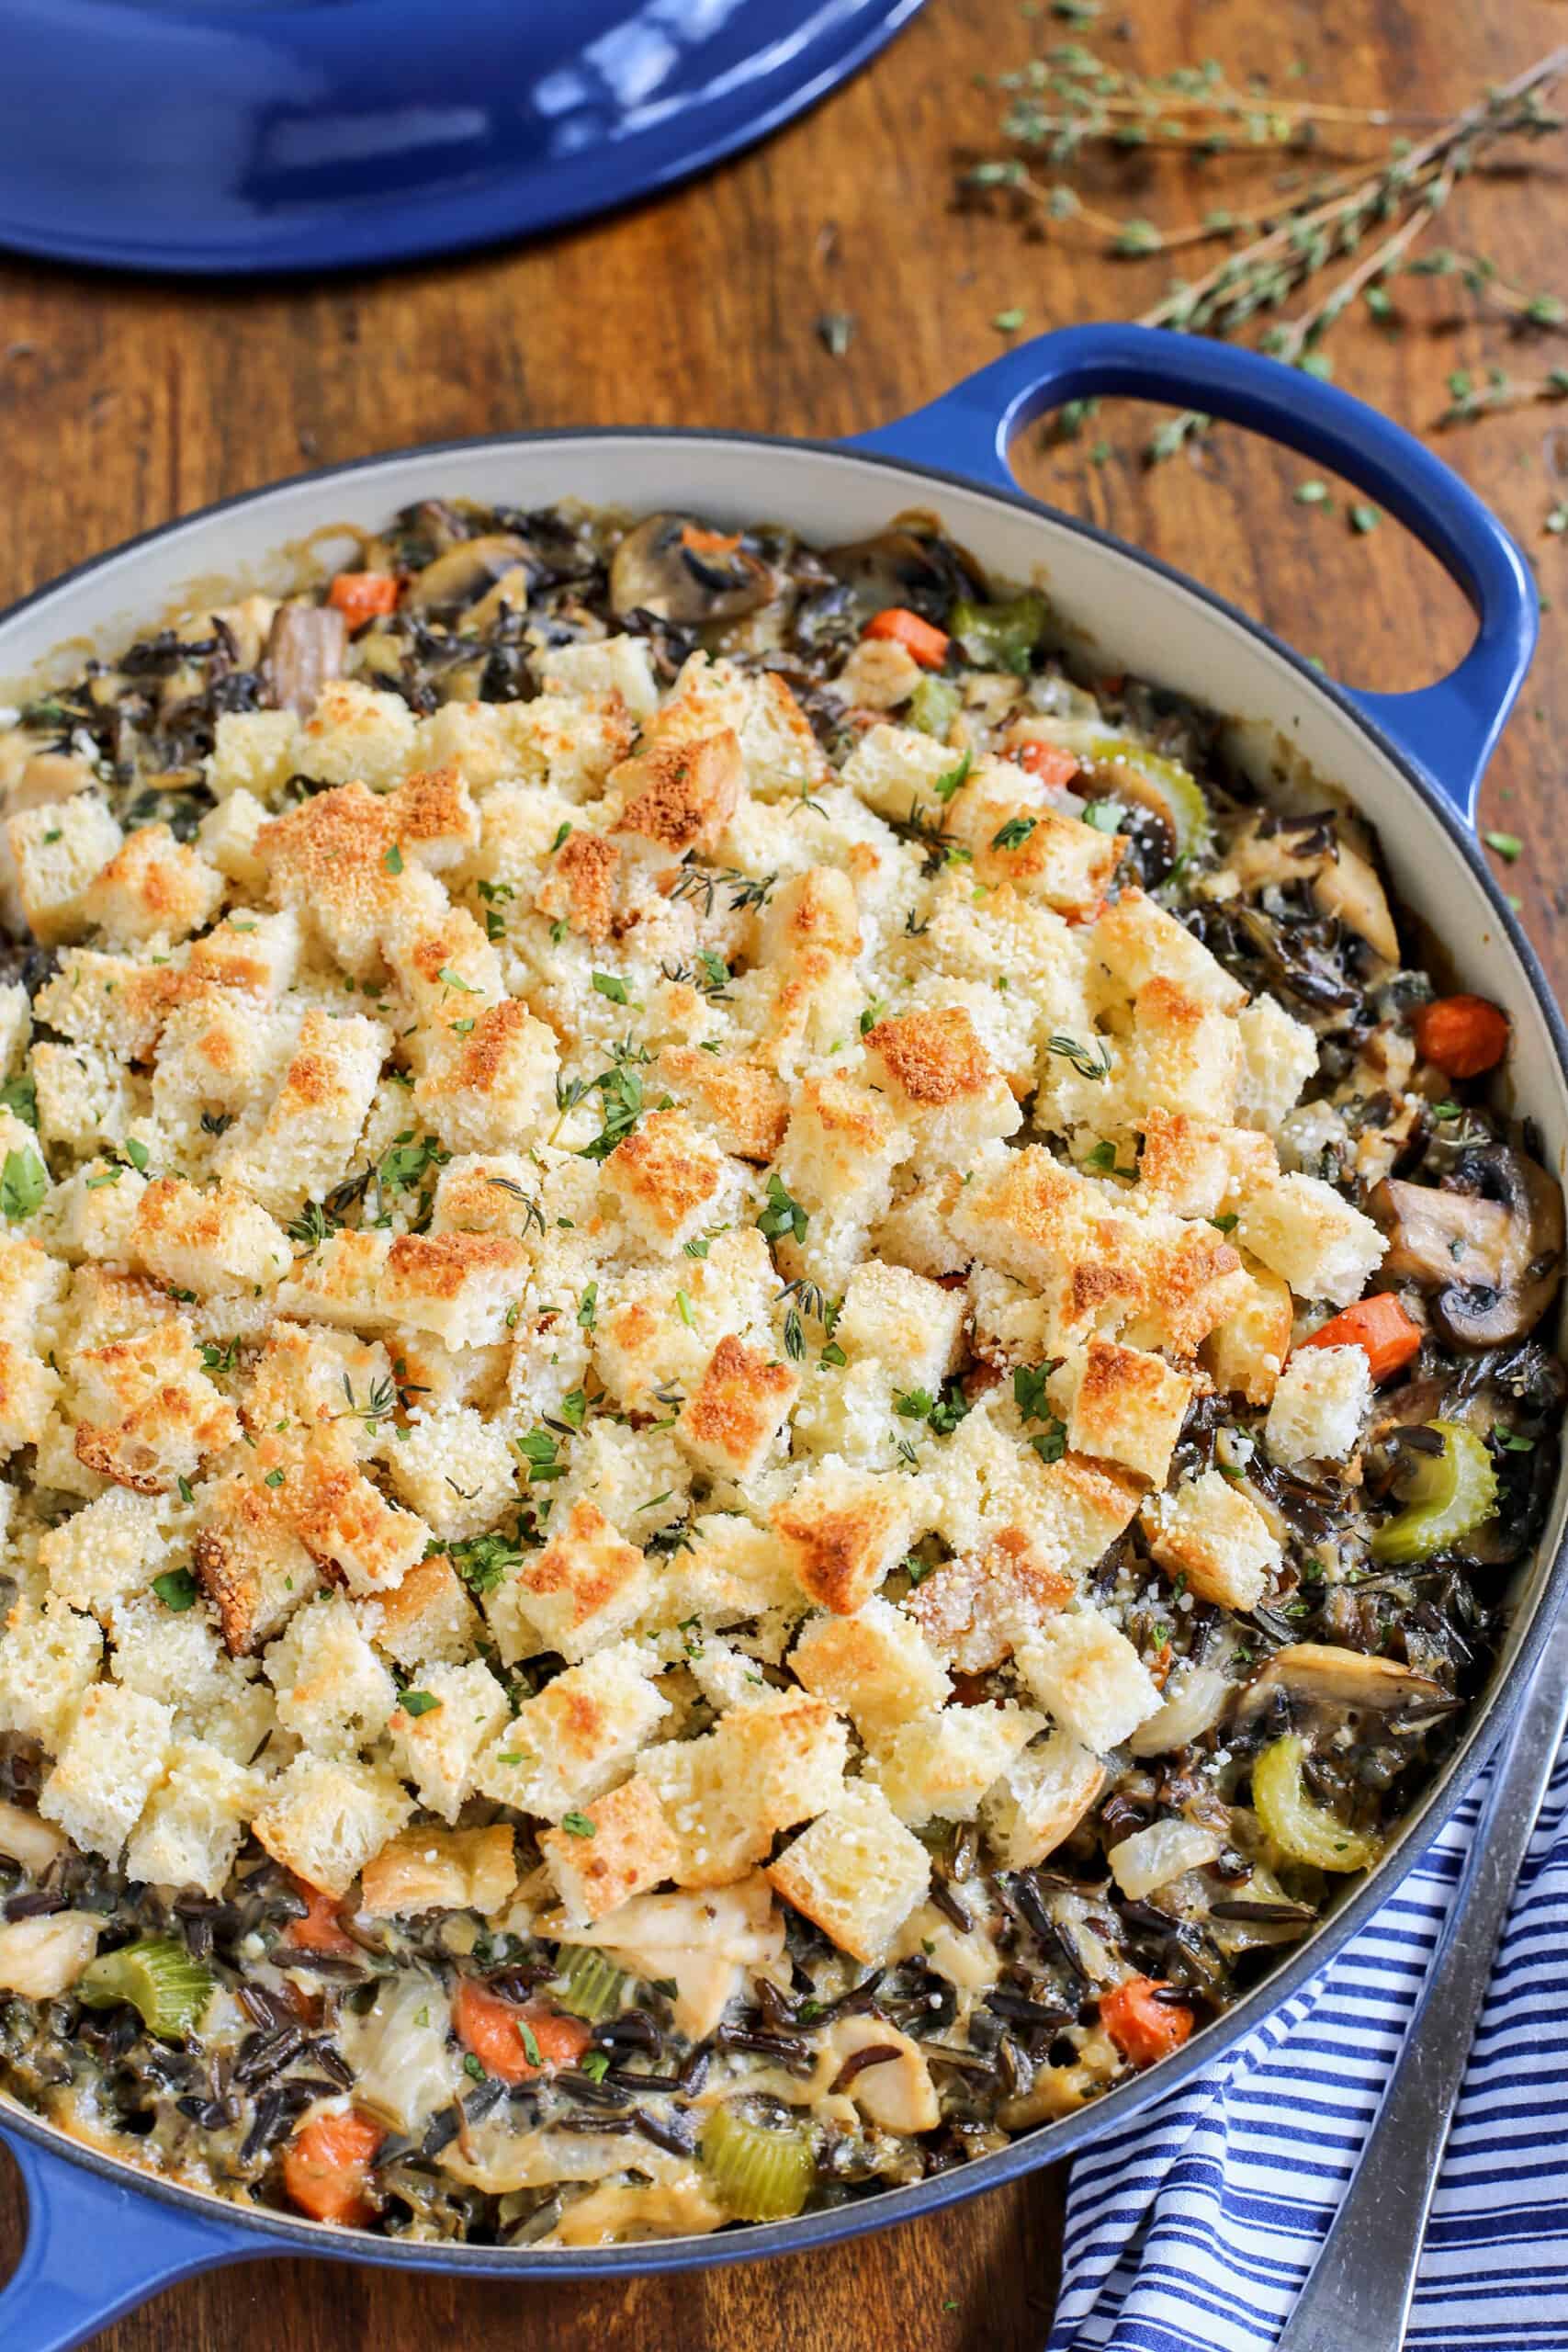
x=1192 y=2229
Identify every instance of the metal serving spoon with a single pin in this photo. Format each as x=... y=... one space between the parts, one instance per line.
x=1357 y=2293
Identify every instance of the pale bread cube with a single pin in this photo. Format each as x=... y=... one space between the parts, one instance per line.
x=325 y=1819
x=1245 y=1353
x=334 y=1692
x=1136 y=940
x=425 y=1620
x=438 y=1747
x=606 y=665
x=1213 y=1533
x=1039 y=1799
x=50 y=1657
x=1304 y=1230
x=306 y=1138
x=939 y=1765
x=207 y=1240
x=355 y=734
x=892 y=1317
x=192 y=1824
x=252 y=751
x=1279 y=1056
x=762 y=1769
x=227 y=836
x=111 y=1548
x=59 y=848
x=112 y=1758
x=456 y=1469
x=1320 y=1406
x=857 y=1872
x=1090 y=1678
x=85 y=1098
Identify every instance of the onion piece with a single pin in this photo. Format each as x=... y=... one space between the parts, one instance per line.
x=1189 y=1709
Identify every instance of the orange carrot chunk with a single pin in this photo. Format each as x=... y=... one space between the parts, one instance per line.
x=1380 y=1325
x=1462 y=1035
x=360 y=595
x=1048 y=762
x=928 y=644
x=319 y=1929
x=1143 y=2028
x=514 y=2040
x=327 y=2164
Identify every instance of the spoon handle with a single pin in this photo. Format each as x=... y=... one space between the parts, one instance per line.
x=1360 y=2289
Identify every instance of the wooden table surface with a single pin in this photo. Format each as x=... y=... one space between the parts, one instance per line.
x=123 y=403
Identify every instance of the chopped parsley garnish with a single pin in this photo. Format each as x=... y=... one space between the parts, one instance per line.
x=485 y=1561
x=176 y=1588
x=393 y=859
x=1014 y=834
x=782 y=1214
x=606 y=984
x=577 y=1825
x=23 y=1183
x=420 y=1702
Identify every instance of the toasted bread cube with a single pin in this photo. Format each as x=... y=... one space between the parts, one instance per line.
x=576 y=1738
x=190 y=1830
x=678 y=796
x=344 y=1522
x=325 y=1819
x=250 y=1562
x=1122 y=1404
x=153 y=888
x=1312 y=1234
x=666 y=1180
x=1198 y=1167
x=941 y=1079
x=811 y=912
x=1245 y=1353
x=428 y=1619
x=605 y=665
x=329 y=859
x=438 y=1747
x=172 y=1654
x=567 y=744
x=492 y=1086
x=579 y=888
x=208 y=1241
x=252 y=752
x=1184 y=1055
x=308 y=1136
x=111 y=1548
x=433 y=813
x=457 y=1285
x=1191 y=1280
x=939 y=1765
x=730 y=1420
x=618 y=1846
x=27 y=1393
x=1214 y=1534
x=744 y=1103
x=842 y=1530
x=1028 y=1215
x=1279 y=1056
x=227 y=837
x=60 y=847
x=333 y=1693
x=104 y=1304
x=1090 y=1678
x=979 y=1605
x=49 y=1658
x=857 y=1872
x=306 y=1378
x=252 y=954
x=85 y=1099
x=146 y=1413
x=426 y=1869
x=1017 y=837
x=1320 y=1406
x=876 y=1667
x=585 y=1588
x=113 y=1758
x=355 y=732
x=892 y=1317
x=1039 y=1799
x=836 y=1162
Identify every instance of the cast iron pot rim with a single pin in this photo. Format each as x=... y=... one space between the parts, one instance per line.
x=1044 y=2144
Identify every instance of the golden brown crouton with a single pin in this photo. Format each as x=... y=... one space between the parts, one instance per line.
x=744 y=1102
x=586 y=1586
x=665 y=1178
x=427 y=1869
x=842 y=1531
x=580 y=888
x=146 y=1413
x=620 y=1845
x=737 y=1410
x=681 y=795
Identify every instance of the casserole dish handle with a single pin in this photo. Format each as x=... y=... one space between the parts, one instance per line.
x=95 y=2250
x=1449 y=728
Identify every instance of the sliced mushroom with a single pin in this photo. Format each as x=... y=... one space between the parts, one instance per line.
x=681 y=570
x=1313 y=850
x=1488 y=1241
x=464 y=573
x=305 y=647
x=914 y=566
x=1316 y=1677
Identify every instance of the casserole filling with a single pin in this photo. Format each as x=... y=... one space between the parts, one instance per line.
x=767 y=1373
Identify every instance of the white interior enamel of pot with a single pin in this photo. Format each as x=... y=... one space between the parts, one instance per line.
x=1140 y=618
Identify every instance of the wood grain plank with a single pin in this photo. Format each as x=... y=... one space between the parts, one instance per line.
x=123 y=402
